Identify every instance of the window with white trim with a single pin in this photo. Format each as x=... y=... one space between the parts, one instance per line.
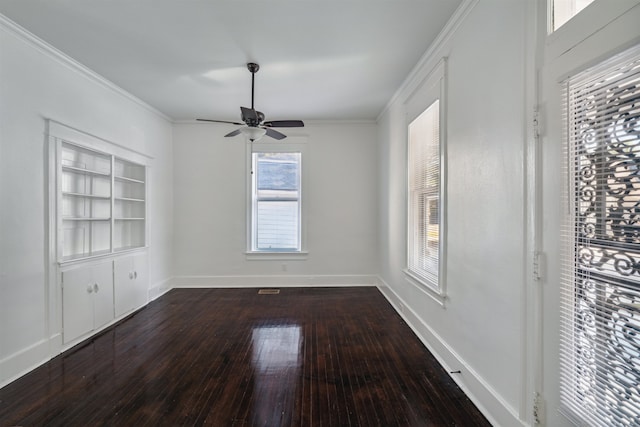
x=424 y=196
x=600 y=289
x=275 y=202
x=426 y=175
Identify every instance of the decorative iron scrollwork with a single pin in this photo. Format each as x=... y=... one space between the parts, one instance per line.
x=606 y=170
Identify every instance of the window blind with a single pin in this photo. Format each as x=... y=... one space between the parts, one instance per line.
x=600 y=289
x=424 y=195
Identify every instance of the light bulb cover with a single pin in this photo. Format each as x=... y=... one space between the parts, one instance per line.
x=253 y=133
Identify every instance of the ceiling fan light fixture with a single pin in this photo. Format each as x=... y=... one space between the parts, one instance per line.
x=253 y=133
x=256 y=127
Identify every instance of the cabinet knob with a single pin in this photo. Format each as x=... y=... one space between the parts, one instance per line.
x=95 y=287
x=131 y=275
x=89 y=288
x=135 y=274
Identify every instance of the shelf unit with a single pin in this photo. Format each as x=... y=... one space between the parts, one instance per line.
x=129 y=205
x=97 y=231
x=102 y=203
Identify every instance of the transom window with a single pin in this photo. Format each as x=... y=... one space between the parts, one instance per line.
x=563 y=10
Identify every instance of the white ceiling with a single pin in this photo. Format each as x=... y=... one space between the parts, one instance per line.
x=319 y=59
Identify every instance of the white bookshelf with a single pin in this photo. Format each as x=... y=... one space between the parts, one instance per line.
x=129 y=205
x=97 y=231
x=102 y=203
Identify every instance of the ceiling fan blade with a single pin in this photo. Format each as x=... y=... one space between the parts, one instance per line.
x=275 y=134
x=284 y=124
x=234 y=133
x=220 y=121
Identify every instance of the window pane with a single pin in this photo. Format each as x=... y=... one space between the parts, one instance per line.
x=277 y=225
x=276 y=202
x=563 y=10
x=278 y=171
x=424 y=195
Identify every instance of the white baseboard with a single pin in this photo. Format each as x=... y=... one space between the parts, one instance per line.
x=272 y=281
x=488 y=401
x=159 y=289
x=24 y=361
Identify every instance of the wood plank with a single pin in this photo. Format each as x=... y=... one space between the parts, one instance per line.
x=232 y=357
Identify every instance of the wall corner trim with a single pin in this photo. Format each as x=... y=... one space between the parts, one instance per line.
x=488 y=401
x=34 y=41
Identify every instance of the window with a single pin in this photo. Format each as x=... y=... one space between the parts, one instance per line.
x=424 y=196
x=600 y=295
x=563 y=10
x=275 y=202
x=426 y=167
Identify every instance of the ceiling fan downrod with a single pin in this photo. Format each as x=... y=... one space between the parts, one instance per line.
x=253 y=68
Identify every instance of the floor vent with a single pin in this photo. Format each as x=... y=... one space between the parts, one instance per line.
x=268 y=291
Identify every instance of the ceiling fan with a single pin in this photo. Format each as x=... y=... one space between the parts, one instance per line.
x=254 y=125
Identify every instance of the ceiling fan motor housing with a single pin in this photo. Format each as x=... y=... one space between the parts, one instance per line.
x=252 y=117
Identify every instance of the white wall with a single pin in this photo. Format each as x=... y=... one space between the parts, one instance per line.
x=339 y=196
x=37 y=83
x=603 y=29
x=479 y=331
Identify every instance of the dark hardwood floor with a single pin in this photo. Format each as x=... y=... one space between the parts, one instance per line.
x=231 y=357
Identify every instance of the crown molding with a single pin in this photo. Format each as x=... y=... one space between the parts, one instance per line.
x=37 y=43
x=421 y=69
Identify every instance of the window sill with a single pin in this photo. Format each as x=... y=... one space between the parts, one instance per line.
x=425 y=287
x=276 y=256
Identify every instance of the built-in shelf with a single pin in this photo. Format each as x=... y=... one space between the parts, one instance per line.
x=89 y=196
x=128 y=199
x=102 y=203
x=85 y=219
x=124 y=178
x=126 y=248
x=96 y=232
x=84 y=171
x=80 y=256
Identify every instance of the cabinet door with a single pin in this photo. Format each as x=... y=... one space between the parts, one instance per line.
x=131 y=283
x=102 y=277
x=77 y=303
x=141 y=279
x=124 y=290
